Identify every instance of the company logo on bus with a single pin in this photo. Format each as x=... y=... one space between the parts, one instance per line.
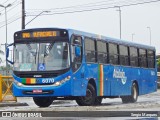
x=117 y=73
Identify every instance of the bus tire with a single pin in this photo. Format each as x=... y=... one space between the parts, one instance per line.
x=98 y=101
x=43 y=101
x=89 y=99
x=134 y=95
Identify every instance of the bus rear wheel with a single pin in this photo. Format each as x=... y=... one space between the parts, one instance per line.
x=89 y=99
x=134 y=95
x=43 y=101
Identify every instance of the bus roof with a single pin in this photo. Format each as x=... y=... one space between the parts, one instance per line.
x=109 y=39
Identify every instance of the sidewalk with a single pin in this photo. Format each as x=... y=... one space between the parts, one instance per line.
x=9 y=101
x=10 y=104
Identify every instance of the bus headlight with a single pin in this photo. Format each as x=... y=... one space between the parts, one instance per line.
x=62 y=81
x=18 y=83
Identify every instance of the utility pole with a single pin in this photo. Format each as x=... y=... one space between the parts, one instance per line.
x=23 y=14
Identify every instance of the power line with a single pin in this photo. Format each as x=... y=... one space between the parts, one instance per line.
x=102 y=3
x=12 y=8
x=90 y=9
x=140 y=3
x=18 y=14
x=84 y=9
x=82 y=6
x=5 y=1
x=14 y=4
x=11 y=22
x=72 y=6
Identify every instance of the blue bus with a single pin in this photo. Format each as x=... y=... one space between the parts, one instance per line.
x=65 y=64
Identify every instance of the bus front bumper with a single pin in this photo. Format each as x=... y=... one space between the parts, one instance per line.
x=47 y=90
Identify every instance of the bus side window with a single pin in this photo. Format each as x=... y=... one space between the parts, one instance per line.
x=102 y=52
x=133 y=56
x=90 y=51
x=124 y=59
x=142 y=58
x=113 y=53
x=151 y=58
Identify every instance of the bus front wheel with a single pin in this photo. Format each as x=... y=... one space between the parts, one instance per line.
x=90 y=97
x=134 y=95
x=43 y=101
x=98 y=101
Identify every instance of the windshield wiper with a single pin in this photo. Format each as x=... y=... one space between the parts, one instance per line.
x=48 y=49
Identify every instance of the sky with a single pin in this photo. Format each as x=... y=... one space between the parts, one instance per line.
x=135 y=19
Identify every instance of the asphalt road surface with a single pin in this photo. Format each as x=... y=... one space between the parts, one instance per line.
x=146 y=106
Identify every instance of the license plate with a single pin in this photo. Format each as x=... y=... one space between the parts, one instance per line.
x=37 y=91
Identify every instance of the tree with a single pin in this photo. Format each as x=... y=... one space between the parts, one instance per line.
x=158 y=62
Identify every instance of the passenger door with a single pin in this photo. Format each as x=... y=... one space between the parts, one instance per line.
x=77 y=68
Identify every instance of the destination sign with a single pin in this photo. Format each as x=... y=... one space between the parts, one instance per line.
x=39 y=34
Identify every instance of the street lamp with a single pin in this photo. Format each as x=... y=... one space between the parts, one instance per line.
x=37 y=16
x=149 y=28
x=132 y=36
x=5 y=7
x=120 y=23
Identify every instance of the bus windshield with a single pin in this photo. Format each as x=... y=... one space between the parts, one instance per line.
x=41 y=56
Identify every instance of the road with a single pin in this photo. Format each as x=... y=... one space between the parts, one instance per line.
x=149 y=102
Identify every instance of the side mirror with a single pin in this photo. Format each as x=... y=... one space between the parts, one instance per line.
x=77 y=51
x=7 y=54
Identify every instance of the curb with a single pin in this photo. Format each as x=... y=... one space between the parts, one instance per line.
x=10 y=104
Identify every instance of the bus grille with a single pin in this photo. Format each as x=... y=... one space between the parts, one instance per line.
x=32 y=75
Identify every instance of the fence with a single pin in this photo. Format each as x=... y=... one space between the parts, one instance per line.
x=6 y=93
x=4 y=72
